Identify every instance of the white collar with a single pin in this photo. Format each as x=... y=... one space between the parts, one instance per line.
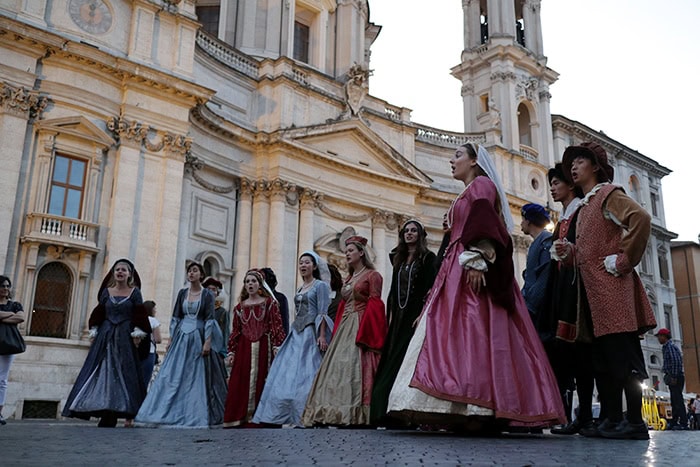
x=571 y=208
x=586 y=199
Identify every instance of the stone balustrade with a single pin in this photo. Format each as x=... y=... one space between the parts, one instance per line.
x=529 y=153
x=227 y=54
x=61 y=230
x=447 y=138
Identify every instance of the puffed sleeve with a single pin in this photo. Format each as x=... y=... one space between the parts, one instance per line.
x=277 y=333
x=236 y=329
x=323 y=299
x=628 y=214
x=373 y=326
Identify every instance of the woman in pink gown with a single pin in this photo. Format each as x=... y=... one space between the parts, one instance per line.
x=476 y=361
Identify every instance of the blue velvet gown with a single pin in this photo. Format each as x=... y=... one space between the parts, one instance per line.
x=190 y=389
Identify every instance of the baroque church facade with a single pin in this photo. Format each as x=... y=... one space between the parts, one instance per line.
x=239 y=134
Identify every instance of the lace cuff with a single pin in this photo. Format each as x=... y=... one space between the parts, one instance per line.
x=138 y=333
x=92 y=333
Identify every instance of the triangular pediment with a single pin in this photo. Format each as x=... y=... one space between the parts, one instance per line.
x=353 y=143
x=79 y=127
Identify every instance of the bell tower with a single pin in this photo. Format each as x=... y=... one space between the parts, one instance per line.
x=505 y=78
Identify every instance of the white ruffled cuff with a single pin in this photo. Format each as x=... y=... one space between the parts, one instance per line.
x=611 y=265
x=473 y=260
x=92 y=333
x=556 y=256
x=137 y=332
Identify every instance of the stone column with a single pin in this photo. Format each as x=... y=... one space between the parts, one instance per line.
x=307 y=203
x=379 y=240
x=472 y=23
x=243 y=239
x=275 y=239
x=260 y=224
x=17 y=106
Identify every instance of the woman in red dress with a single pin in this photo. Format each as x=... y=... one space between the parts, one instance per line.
x=256 y=333
x=475 y=360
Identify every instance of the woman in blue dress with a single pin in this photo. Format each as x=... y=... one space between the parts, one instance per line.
x=190 y=388
x=110 y=385
x=296 y=364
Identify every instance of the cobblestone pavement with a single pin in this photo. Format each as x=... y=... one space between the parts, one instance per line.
x=44 y=443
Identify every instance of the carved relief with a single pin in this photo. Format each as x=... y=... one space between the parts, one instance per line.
x=526 y=88
x=193 y=165
x=139 y=133
x=356 y=88
x=503 y=76
x=22 y=102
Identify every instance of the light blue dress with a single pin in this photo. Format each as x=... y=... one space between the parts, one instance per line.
x=295 y=366
x=189 y=390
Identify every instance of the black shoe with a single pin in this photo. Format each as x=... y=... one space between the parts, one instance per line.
x=625 y=430
x=592 y=430
x=569 y=429
x=2 y=421
x=679 y=427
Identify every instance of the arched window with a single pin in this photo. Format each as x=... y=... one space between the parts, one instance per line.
x=524 y=125
x=51 y=301
x=635 y=188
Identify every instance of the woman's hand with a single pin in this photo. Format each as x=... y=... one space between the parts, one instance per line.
x=477 y=279
x=206 y=348
x=229 y=360
x=136 y=340
x=322 y=344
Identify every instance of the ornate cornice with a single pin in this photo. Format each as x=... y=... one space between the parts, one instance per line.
x=22 y=102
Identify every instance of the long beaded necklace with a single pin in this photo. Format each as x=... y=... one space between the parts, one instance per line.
x=403 y=305
x=252 y=313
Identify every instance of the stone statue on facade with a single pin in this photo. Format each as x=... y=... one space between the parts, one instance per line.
x=356 y=88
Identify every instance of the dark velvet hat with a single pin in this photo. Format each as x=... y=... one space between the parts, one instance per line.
x=534 y=212
x=358 y=239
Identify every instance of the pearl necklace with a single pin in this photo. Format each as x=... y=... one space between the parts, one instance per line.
x=252 y=313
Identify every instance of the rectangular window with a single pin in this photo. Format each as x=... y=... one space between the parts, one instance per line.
x=654 y=205
x=668 y=310
x=301 y=42
x=209 y=17
x=67 y=187
x=663 y=267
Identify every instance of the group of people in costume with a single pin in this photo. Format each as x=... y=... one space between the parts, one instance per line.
x=456 y=345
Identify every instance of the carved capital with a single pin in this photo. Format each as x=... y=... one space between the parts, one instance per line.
x=467 y=89
x=379 y=218
x=308 y=198
x=22 y=102
x=261 y=189
x=245 y=187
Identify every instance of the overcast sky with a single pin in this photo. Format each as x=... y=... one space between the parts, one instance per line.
x=627 y=67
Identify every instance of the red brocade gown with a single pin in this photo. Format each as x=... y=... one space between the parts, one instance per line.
x=256 y=329
x=476 y=354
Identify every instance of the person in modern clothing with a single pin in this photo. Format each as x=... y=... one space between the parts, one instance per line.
x=612 y=232
x=295 y=366
x=342 y=389
x=674 y=377
x=110 y=384
x=149 y=363
x=11 y=314
x=534 y=220
x=256 y=334
x=414 y=270
x=190 y=388
x=475 y=362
